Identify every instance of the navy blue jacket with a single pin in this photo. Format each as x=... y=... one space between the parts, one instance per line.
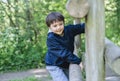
x=60 y=48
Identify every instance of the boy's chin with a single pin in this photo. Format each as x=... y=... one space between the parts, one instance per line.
x=60 y=33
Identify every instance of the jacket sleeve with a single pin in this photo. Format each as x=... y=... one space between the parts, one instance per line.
x=77 y=29
x=61 y=52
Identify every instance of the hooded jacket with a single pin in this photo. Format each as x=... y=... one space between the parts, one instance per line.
x=60 y=48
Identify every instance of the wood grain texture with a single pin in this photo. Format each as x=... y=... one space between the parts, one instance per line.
x=77 y=8
x=112 y=55
x=95 y=34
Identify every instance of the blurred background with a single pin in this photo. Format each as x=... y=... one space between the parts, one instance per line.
x=23 y=30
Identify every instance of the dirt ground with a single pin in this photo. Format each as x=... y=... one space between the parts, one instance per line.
x=41 y=74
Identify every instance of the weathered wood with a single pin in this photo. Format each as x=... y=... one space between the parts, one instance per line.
x=95 y=34
x=77 y=8
x=77 y=40
x=110 y=74
x=75 y=71
x=114 y=78
x=112 y=55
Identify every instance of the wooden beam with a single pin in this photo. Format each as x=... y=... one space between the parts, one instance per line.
x=112 y=56
x=110 y=74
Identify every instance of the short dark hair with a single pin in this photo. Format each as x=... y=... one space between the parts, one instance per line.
x=54 y=16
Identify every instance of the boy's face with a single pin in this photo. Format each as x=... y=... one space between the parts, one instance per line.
x=57 y=27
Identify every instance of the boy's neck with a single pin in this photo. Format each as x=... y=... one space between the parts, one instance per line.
x=62 y=34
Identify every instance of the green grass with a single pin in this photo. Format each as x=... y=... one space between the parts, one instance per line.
x=27 y=79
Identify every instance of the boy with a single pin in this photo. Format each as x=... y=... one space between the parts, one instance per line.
x=60 y=44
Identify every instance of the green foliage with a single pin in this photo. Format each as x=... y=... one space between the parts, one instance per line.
x=113 y=20
x=23 y=32
x=18 y=52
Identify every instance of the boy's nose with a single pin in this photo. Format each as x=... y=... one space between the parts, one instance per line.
x=58 y=28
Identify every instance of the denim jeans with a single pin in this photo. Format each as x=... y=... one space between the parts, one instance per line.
x=58 y=73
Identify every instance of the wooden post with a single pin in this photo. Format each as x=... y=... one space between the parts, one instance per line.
x=112 y=61
x=74 y=69
x=95 y=34
x=77 y=9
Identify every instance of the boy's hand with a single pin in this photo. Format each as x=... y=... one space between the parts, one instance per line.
x=81 y=66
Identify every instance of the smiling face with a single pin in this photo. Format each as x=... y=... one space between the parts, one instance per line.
x=57 y=27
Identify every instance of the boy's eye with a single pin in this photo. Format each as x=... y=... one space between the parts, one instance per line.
x=54 y=25
x=61 y=23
